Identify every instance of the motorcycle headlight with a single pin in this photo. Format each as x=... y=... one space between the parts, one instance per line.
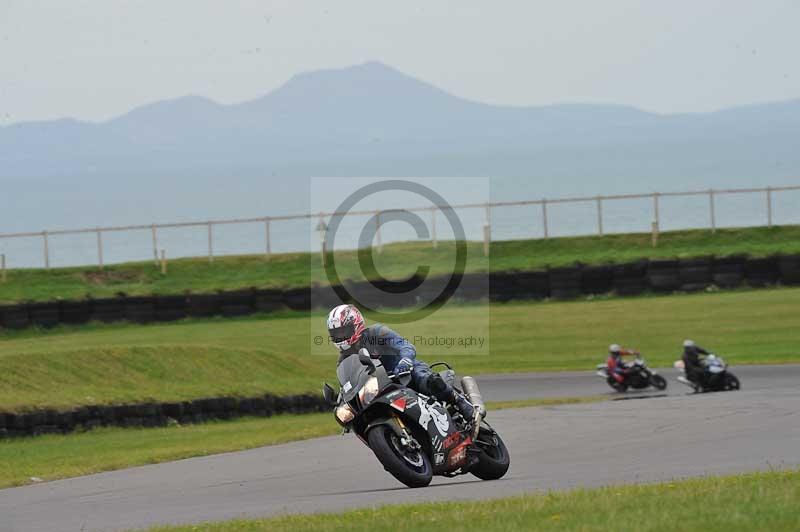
x=344 y=413
x=369 y=391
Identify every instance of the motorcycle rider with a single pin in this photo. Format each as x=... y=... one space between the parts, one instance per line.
x=616 y=366
x=350 y=334
x=695 y=371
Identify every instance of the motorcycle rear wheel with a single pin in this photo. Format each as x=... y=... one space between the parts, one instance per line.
x=617 y=386
x=411 y=468
x=494 y=460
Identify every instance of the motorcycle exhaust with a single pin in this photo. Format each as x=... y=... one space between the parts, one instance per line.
x=472 y=392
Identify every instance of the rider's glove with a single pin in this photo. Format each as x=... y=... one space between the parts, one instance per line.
x=404 y=366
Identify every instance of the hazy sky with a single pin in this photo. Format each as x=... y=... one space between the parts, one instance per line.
x=100 y=58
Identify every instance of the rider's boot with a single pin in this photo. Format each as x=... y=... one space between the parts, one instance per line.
x=472 y=414
x=463 y=406
x=447 y=394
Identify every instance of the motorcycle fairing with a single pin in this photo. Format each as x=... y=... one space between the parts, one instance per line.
x=446 y=439
x=448 y=445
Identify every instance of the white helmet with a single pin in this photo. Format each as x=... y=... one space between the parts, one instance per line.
x=614 y=348
x=345 y=326
x=688 y=343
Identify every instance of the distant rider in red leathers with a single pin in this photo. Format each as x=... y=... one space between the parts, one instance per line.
x=616 y=366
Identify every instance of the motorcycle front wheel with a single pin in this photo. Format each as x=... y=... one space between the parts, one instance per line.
x=412 y=468
x=731 y=382
x=658 y=382
x=494 y=460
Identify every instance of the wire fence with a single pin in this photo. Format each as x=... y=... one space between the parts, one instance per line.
x=501 y=220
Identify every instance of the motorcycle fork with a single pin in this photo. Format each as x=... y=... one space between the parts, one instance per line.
x=407 y=440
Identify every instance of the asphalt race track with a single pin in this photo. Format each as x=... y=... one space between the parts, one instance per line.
x=557 y=447
x=515 y=386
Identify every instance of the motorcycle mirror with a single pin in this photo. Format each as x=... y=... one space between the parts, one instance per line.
x=329 y=394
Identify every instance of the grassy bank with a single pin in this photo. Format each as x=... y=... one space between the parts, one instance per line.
x=99 y=364
x=758 y=501
x=397 y=260
x=59 y=456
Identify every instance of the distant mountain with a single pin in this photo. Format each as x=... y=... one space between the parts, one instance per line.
x=372 y=120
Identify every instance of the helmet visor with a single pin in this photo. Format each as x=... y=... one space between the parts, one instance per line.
x=342 y=334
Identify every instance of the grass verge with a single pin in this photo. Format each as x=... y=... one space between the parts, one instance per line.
x=396 y=261
x=52 y=457
x=55 y=456
x=756 y=501
x=99 y=364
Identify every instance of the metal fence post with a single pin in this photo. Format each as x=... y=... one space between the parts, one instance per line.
x=487 y=230
x=46 y=243
x=322 y=229
x=711 y=210
x=600 y=215
x=544 y=217
x=163 y=262
x=654 y=234
x=769 y=206
x=266 y=233
x=378 y=231
x=100 y=248
x=656 y=219
x=155 y=242
x=433 y=227
x=210 y=242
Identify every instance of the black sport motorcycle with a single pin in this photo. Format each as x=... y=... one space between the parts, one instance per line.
x=716 y=377
x=642 y=377
x=412 y=435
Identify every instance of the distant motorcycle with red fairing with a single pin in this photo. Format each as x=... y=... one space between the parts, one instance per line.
x=638 y=376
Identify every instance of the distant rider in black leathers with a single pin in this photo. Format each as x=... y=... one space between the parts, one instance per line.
x=695 y=371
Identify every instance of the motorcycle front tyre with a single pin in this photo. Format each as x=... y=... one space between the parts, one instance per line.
x=393 y=461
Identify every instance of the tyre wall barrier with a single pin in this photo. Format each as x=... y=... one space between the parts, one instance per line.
x=268 y=300
x=761 y=272
x=75 y=312
x=155 y=414
x=503 y=287
x=108 y=310
x=789 y=269
x=475 y=287
x=139 y=309
x=171 y=308
x=630 y=279
x=233 y=304
x=729 y=271
x=633 y=278
x=565 y=283
x=695 y=274
x=664 y=275
x=597 y=280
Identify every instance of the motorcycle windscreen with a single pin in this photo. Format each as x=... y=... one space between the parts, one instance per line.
x=352 y=375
